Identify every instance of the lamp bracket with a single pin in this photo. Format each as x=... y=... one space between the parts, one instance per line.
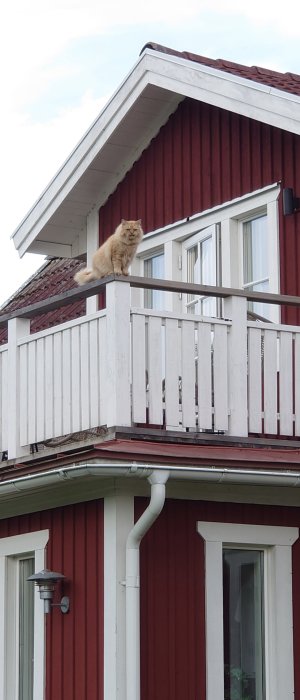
x=64 y=604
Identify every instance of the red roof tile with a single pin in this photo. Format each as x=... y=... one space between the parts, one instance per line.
x=54 y=277
x=289 y=82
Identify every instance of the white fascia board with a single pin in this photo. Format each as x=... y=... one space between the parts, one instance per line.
x=182 y=77
x=227 y=91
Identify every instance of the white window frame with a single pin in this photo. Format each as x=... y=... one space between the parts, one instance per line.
x=276 y=542
x=33 y=543
x=229 y=215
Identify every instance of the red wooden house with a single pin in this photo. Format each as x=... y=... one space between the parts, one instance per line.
x=180 y=383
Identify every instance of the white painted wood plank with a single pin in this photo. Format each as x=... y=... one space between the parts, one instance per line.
x=17 y=328
x=1 y=400
x=118 y=353
x=94 y=373
x=57 y=385
x=173 y=379
x=31 y=392
x=102 y=371
x=139 y=379
x=270 y=382
x=285 y=383
x=155 y=370
x=23 y=405
x=220 y=373
x=84 y=377
x=40 y=385
x=254 y=381
x=188 y=374
x=236 y=309
x=49 y=360
x=297 y=384
x=66 y=382
x=75 y=380
x=204 y=377
x=4 y=396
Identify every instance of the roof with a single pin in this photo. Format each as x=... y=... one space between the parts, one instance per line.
x=57 y=223
x=289 y=82
x=54 y=277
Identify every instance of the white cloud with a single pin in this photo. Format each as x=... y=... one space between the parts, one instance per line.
x=269 y=13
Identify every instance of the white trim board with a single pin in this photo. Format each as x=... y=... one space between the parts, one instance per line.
x=175 y=79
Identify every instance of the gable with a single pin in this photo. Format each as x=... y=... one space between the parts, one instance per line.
x=57 y=223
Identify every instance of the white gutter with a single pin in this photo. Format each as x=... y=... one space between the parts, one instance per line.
x=158 y=481
x=237 y=475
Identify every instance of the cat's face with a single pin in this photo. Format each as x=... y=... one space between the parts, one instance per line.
x=131 y=230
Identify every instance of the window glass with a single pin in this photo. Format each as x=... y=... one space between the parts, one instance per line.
x=154 y=268
x=201 y=269
x=255 y=261
x=243 y=615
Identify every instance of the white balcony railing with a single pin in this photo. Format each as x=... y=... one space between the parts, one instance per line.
x=130 y=366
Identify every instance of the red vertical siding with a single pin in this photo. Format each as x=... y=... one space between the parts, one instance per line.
x=74 y=642
x=204 y=156
x=172 y=594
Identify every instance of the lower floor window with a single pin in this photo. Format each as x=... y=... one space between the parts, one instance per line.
x=21 y=617
x=243 y=624
x=249 y=613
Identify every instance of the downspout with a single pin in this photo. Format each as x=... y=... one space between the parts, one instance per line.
x=158 y=481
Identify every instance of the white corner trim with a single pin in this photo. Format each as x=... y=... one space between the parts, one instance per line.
x=276 y=543
x=9 y=547
x=118 y=521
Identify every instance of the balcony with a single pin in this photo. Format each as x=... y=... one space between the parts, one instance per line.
x=136 y=367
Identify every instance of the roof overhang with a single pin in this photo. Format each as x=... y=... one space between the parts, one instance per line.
x=124 y=128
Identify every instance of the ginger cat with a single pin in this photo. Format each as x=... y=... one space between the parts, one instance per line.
x=115 y=254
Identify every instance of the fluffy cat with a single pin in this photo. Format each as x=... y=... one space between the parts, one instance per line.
x=115 y=254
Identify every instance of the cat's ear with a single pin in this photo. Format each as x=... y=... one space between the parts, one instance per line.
x=123 y=221
x=139 y=221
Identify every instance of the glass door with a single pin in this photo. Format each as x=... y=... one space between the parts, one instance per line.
x=200 y=267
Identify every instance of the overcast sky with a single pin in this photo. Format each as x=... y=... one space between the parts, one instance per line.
x=62 y=60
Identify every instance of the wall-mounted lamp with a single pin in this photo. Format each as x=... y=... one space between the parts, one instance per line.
x=46 y=582
x=290 y=203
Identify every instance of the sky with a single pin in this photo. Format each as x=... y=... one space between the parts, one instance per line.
x=62 y=60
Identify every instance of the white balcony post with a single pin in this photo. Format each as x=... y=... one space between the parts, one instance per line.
x=118 y=353
x=235 y=308
x=17 y=328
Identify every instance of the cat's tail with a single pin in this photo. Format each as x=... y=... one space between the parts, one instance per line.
x=85 y=275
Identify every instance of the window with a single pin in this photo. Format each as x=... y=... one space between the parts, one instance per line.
x=255 y=260
x=243 y=619
x=154 y=268
x=21 y=618
x=234 y=245
x=249 y=625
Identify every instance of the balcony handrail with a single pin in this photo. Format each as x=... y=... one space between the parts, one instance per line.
x=94 y=288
